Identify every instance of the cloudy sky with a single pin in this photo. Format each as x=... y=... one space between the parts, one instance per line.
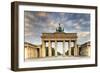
x=38 y=22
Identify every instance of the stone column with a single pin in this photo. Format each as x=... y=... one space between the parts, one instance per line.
x=75 y=49
x=63 y=47
x=49 y=48
x=55 y=48
x=43 y=51
x=69 y=48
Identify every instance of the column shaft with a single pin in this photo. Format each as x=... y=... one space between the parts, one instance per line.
x=69 y=48
x=43 y=51
x=55 y=48
x=49 y=49
x=75 y=49
x=63 y=47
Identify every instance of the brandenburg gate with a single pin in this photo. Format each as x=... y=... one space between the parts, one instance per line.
x=59 y=36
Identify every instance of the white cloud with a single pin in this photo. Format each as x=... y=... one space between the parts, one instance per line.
x=83 y=34
x=29 y=15
x=77 y=27
x=27 y=34
x=83 y=37
x=42 y=14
